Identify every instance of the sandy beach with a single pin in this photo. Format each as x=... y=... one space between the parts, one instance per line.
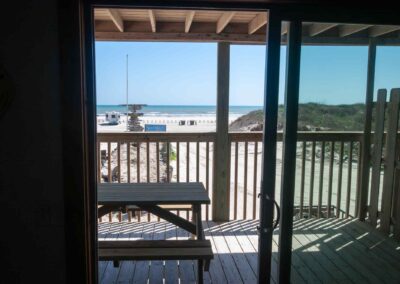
x=202 y=123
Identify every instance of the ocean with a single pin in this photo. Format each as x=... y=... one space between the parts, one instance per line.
x=178 y=110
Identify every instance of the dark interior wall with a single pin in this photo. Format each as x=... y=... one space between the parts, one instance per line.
x=31 y=192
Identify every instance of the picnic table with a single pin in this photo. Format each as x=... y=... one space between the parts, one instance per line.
x=157 y=198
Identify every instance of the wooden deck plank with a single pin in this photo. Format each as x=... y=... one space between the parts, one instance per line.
x=186 y=267
x=344 y=250
x=340 y=259
x=171 y=271
x=111 y=272
x=246 y=272
x=375 y=244
x=156 y=272
x=228 y=264
x=103 y=230
x=344 y=271
x=354 y=258
x=385 y=268
x=327 y=269
x=249 y=251
x=373 y=263
x=249 y=227
x=386 y=244
x=128 y=267
x=216 y=272
x=142 y=267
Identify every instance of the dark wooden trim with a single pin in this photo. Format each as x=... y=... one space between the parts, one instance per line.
x=366 y=143
x=289 y=151
x=310 y=11
x=79 y=165
x=268 y=172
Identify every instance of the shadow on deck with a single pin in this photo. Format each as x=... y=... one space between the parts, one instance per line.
x=324 y=250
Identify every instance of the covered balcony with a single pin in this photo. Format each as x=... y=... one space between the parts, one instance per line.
x=346 y=197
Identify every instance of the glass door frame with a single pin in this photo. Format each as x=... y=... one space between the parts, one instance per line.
x=85 y=231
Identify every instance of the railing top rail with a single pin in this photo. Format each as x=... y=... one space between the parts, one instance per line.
x=156 y=136
x=233 y=136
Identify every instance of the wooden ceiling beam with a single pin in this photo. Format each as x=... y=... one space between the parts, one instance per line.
x=189 y=20
x=116 y=18
x=382 y=30
x=223 y=21
x=316 y=29
x=258 y=21
x=152 y=18
x=347 y=30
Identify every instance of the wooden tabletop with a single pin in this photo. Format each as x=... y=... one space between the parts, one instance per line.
x=121 y=194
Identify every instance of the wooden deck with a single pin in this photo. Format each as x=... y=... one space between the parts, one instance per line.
x=324 y=250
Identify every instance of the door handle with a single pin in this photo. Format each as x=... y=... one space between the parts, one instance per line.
x=278 y=215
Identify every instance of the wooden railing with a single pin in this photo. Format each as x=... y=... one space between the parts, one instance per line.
x=321 y=181
x=326 y=175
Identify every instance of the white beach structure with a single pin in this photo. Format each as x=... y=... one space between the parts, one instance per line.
x=112 y=117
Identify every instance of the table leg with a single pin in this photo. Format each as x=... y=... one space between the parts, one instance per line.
x=200 y=236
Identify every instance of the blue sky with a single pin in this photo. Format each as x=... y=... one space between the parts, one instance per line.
x=185 y=73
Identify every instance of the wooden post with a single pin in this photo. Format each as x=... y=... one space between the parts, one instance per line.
x=396 y=196
x=289 y=151
x=222 y=148
x=390 y=160
x=377 y=157
x=366 y=143
x=268 y=172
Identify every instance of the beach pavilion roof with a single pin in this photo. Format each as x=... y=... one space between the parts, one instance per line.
x=229 y=26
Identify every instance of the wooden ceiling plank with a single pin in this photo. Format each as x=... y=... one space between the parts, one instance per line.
x=189 y=20
x=284 y=29
x=258 y=21
x=347 y=30
x=316 y=29
x=117 y=19
x=152 y=18
x=224 y=21
x=376 y=31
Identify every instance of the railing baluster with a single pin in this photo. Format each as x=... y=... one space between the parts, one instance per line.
x=138 y=161
x=98 y=151
x=339 y=189
x=119 y=173
x=177 y=162
x=128 y=160
x=358 y=179
x=158 y=160
x=246 y=150
x=349 y=172
x=197 y=161
x=148 y=161
x=109 y=172
x=255 y=179
x=119 y=161
x=321 y=178
x=331 y=164
x=311 y=193
x=303 y=177
x=235 y=193
x=168 y=162
x=187 y=161
x=109 y=161
x=207 y=175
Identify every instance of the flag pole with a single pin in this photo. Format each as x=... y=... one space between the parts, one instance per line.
x=127 y=106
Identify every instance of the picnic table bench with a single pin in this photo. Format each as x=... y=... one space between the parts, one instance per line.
x=157 y=198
